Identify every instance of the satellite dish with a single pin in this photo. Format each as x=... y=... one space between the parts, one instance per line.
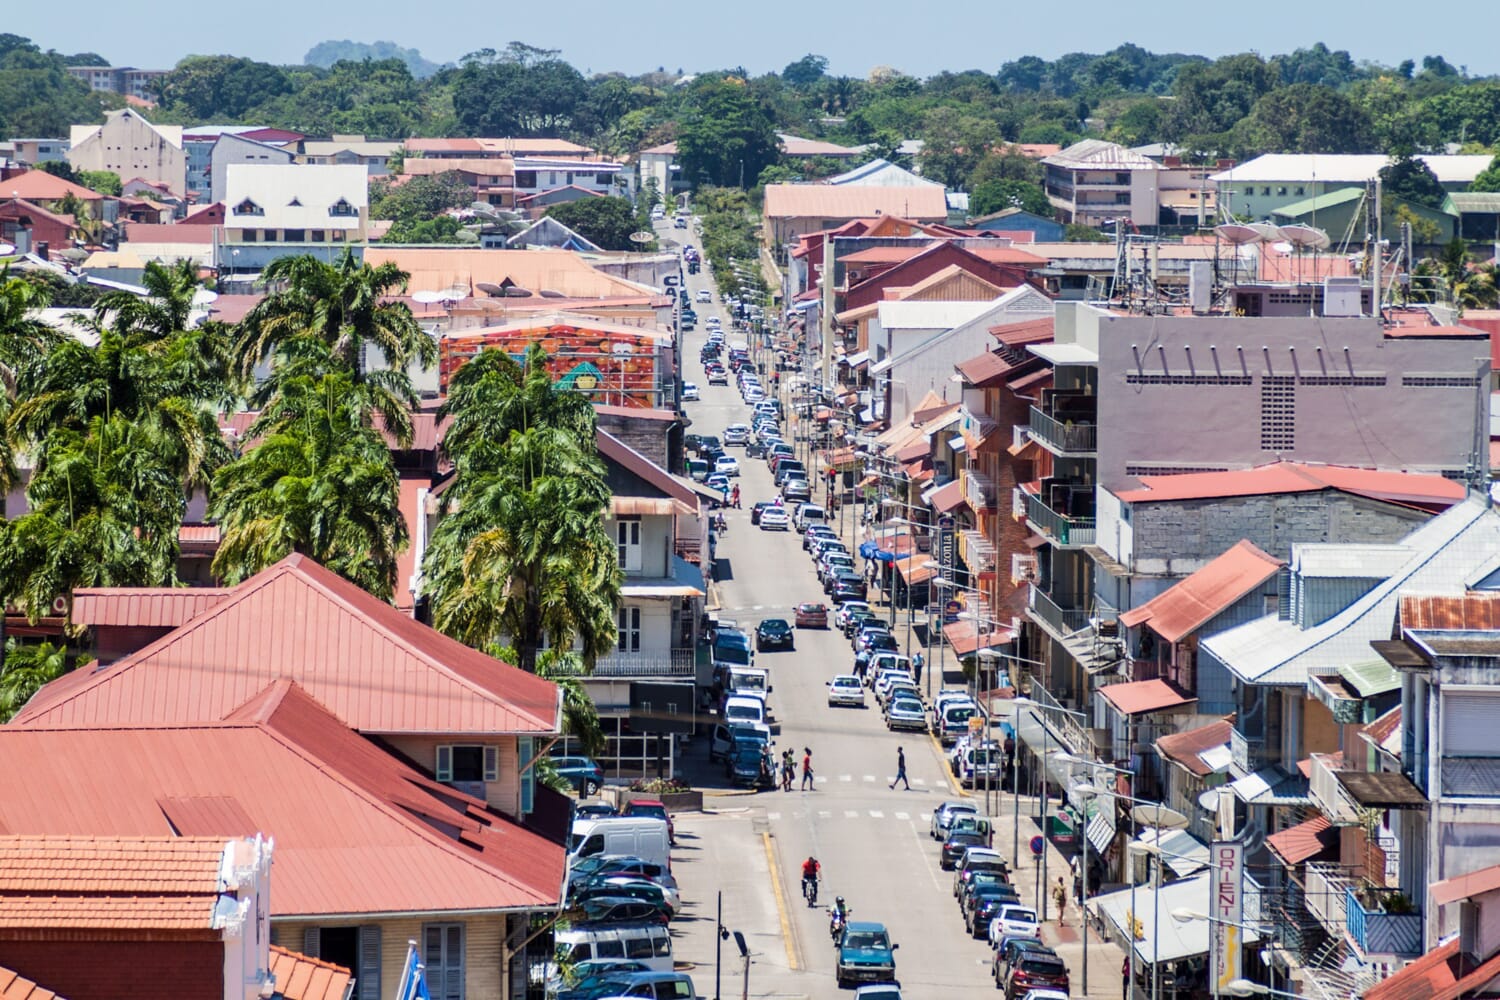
x=489 y=288
x=1282 y=247
x=642 y=237
x=452 y=295
x=1209 y=800
x=1306 y=237
x=426 y=296
x=552 y=293
x=1268 y=233
x=1237 y=233
x=6 y=249
x=517 y=292
x=204 y=296
x=1159 y=816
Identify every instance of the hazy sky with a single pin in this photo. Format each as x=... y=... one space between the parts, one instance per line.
x=920 y=37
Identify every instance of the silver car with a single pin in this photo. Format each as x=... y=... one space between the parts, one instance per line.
x=943 y=816
x=905 y=713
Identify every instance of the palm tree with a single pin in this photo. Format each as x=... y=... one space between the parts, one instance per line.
x=163 y=312
x=301 y=361
x=23 y=337
x=346 y=305
x=492 y=395
x=25 y=670
x=319 y=481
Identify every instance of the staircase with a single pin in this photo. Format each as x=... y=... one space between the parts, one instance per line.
x=1324 y=977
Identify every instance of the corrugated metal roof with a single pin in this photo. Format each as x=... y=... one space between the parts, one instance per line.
x=965 y=638
x=854 y=201
x=1191 y=602
x=1371 y=677
x=149 y=607
x=1427 y=492
x=301 y=978
x=1099 y=154
x=1475 y=610
x=556 y=270
x=377 y=669
x=1441 y=974
x=357 y=830
x=1142 y=697
x=1346 y=168
x=1296 y=844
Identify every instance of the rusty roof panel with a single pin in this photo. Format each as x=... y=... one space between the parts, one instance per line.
x=1474 y=611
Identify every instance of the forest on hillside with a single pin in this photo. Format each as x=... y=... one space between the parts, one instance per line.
x=1314 y=100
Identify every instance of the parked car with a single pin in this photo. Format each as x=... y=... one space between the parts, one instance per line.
x=594 y=810
x=985 y=904
x=774 y=633
x=580 y=772
x=848 y=611
x=736 y=434
x=811 y=616
x=727 y=465
x=816 y=531
x=653 y=808
x=718 y=376
x=865 y=952
x=905 y=712
x=704 y=295
x=981 y=858
x=943 y=816
x=845 y=689
x=879 y=991
x=1014 y=921
x=1034 y=970
x=774 y=518
x=757 y=509
x=1009 y=951
x=724 y=738
x=954 y=845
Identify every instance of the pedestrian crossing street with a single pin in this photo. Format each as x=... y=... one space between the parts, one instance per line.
x=900 y=816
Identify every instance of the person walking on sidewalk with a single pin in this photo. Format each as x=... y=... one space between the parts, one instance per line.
x=807 y=770
x=916 y=667
x=901 y=769
x=1060 y=897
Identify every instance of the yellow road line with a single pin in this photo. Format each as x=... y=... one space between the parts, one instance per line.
x=781 y=911
x=937 y=748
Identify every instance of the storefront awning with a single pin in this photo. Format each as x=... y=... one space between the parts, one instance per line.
x=1182 y=852
x=857 y=360
x=686 y=581
x=965 y=638
x=1174 y=939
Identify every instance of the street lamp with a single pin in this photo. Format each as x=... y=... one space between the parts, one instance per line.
x=1245 y=987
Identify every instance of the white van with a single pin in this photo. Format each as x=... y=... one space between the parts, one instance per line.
x=745 y=710
x=647 y=943
x=808 y=514
x=631 y=836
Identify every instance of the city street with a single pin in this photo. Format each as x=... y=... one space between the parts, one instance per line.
x=872 y=841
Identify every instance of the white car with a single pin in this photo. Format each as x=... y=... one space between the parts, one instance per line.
x=845 y=689
x=690 y=392
x=713 y=322
x=727 y=465
x=1014 y=921
x=704 y=295
x=736 y=434
x=775 y=519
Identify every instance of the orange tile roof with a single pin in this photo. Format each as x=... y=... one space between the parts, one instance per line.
x=1192 y=601
x=357 y=830
x=1183 y=748
x=1143 y=697
x=1475 y=610
x=1383 y=728
x=493 y=166
x=849 y=201
x=1425 y=492
x=965 y=637
x=301 y=978
x=1008 y=255
x=1296 y=844
x=38 y=185
x=375 y=668
x=947 y=498
x=1441 y=974
x=164 y=882
x=434 y=270
x=884 y=255
x=14 y=986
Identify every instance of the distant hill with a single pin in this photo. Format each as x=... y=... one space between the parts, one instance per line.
x=325 y=54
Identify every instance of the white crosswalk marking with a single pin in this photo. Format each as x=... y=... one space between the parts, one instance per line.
x=773 y=817
x=925 y=817
x=851 y=814
x=919 y=781
x=876 y=814
x=819 y=780
x=846 y=777
x=903 y=816
x=824 y=814
x=869 y=777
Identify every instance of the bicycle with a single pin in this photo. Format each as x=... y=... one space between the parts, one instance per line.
x=810 y=890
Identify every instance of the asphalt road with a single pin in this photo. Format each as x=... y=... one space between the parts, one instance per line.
x=872 y=841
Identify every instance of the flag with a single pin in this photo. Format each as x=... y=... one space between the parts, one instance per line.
x=413 y=977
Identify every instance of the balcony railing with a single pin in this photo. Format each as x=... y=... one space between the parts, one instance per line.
x=1329 y=794
x=1063 y=621
x=1326 y=894
x=976 y=551
x=677 y=663
x=1064 y=530
x=1376 y=932
x=1066 y=436
x=980 y=490
x=1247 y=754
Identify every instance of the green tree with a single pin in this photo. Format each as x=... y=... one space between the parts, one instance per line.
x=421 y=198
x=103 y=181
x=526 y=92
x=1488 y=178
x=27 y=668
x=24 y=338
x=806 y=72
x=726 y=136
x=318 y=480
x=1406 y=178
x=38 y=97
x=443 y=229
x=607 y=221
x=520 y=554
x=1306 y=118
x=345 y=304
x=229 y=87
x=996 y=196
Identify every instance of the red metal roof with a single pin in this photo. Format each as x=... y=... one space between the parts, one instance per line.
x=301 y=978
x=1410 y=489
x=375 y=668
x=1183 y=748
x=1441 y=974
x=14 y=986
x=1476 y=610
x=1296 y=844
x=1142 y=697
x=965 y=638
x=144 y=607
x=1192 y=601
x=1451 y=890
x=947 y=497
x=1031 y=331
x=357 y=830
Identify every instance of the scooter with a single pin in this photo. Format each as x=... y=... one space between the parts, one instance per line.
x=836 y=922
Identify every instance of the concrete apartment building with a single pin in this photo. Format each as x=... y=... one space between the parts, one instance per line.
x=130 y=146
x=1094 y=182
x=126 y=80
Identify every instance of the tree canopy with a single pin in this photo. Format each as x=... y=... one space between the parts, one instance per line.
x=607 y=221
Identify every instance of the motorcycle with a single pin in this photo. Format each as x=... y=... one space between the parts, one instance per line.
x=810 y=890
x=836 y=921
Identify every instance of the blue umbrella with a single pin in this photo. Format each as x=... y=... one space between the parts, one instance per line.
x=885 y=556
x=867 y=550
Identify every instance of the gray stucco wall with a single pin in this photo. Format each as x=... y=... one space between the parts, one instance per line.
x=1233 y=392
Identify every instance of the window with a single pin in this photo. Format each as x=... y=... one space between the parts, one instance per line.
x=527 y=750
x=1470 y=759
x=296 y=236
x=342 y=208
x=629 y=630
x=467 y=762
x=247 y=236
x=1299 y=190
x=1265 y=192
x=356 y=948
x=318 y=235
x=294 y=203
x=270 y=236
x=526 y=178
x=248 y=207
x=443 y=954
x=628 y=538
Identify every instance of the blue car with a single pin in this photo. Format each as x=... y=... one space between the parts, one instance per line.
x=865 y=954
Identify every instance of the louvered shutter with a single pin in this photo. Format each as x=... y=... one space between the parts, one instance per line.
x=528 y=776
x=491 y=763
x=312 y=945
x=1469 y=723
x=444 y=769
x=368 y=984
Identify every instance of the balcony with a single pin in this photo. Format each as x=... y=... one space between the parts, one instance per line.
x=680 y=662
x=1328 y=794
x=1063 y=437
x=1068 y=520
x=1326 y=894
x=976 y=551
x=1060 y=621
x=1378 y=931
x=979 y=489
x=1248 y=754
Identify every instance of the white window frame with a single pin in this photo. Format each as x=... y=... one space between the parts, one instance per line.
x=628 y=543
x=443 y=764
x=628 y=628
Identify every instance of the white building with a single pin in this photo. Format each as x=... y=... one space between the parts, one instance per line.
x=236 y=149
x=293 y=203
x=1258 y=187
x=130 y=146
x=1094 y=183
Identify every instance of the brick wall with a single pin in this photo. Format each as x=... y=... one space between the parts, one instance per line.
x=120 y=970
